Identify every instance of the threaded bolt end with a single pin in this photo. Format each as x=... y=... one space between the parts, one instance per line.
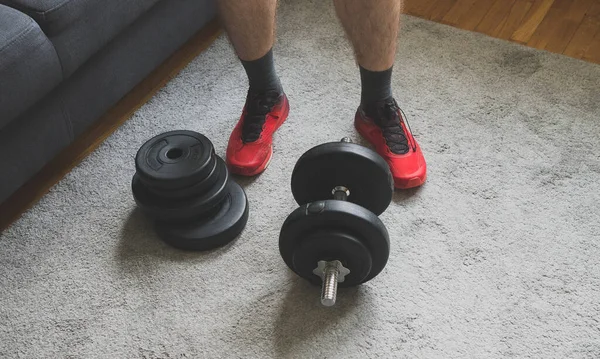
x=330 y=284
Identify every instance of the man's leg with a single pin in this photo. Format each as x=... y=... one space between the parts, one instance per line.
x=250 y=25
x=372 y=26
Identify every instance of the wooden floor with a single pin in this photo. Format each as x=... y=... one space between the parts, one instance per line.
x=570 y=27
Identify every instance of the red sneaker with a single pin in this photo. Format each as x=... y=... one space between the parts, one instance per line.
x=386 y=128
x=251 y=142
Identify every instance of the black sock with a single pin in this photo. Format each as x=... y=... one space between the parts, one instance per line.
x=262 y=75
x=376 y=86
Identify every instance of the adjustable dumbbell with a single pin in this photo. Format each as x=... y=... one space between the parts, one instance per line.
x=185 y=188
x=335 y=237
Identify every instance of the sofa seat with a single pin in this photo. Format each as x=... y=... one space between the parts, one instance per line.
x=29 y=66
x=79 y=28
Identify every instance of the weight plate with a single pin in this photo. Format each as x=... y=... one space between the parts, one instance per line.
x=175 y=160
x=179 y=210
x=348 y=226
x=222 y=227
x=193 y=190
x=362 y=171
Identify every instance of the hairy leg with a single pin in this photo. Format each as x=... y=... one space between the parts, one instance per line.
x=372 y=26
x=250 y=25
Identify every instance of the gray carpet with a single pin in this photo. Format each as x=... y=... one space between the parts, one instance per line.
x=496 y=256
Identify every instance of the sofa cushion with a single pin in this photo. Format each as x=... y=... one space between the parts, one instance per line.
x=29 y=67
x=79 y=28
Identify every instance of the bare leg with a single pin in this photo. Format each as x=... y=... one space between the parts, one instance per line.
x=372 y=26
x=250 y=25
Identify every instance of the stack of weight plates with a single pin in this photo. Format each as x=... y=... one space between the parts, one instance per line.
x=186 y=189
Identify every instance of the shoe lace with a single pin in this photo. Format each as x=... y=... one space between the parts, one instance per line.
x=390 y=118
x=257 y=108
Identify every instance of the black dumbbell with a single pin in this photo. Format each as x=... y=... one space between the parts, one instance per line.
x=185 y=188
x=336 y=236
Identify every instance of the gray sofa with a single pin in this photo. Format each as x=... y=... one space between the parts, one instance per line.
x=64 y=63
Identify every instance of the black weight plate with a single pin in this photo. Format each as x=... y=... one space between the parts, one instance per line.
x=360 y=169
x=193 y=190
x=216 y=230
x=174 y=160
x=179 y=210
x=351 y=220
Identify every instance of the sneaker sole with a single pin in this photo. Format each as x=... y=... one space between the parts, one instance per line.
x=249 y=172
x=402 y=183
x=399 y=183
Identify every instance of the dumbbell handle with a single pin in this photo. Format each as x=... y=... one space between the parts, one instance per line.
x=340 y=193
x=332 y=272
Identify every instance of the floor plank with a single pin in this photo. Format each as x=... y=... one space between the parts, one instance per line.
x=473 y=17
x=593 y=51
x=569 y=27
x=417 y=8
x=460 y=8
x=517 y=13
x=595 y=9
x=440 y=8
x=495 y=19
x=532 y=20
x=568 y=24
x=547 y=29
x=583 y=37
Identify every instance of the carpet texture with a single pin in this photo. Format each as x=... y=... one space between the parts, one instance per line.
x=495 y=257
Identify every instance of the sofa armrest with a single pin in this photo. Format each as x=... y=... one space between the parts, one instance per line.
x=29 y=66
